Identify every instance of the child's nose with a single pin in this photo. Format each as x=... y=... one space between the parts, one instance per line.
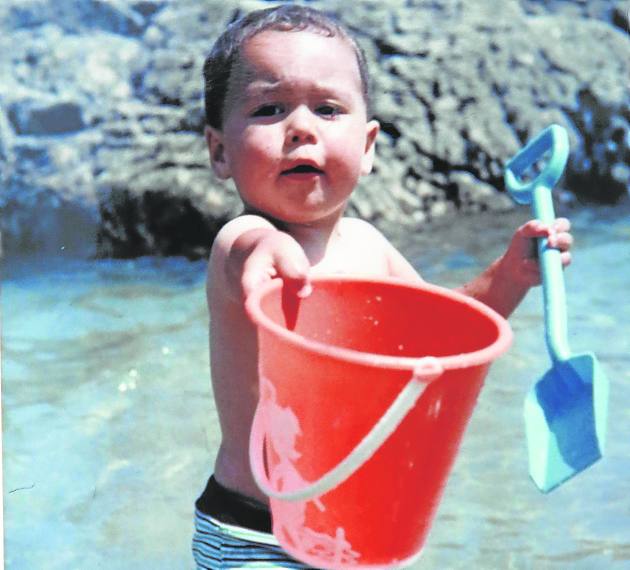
x=301 y=127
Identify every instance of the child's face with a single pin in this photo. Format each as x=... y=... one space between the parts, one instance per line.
x=295 y=136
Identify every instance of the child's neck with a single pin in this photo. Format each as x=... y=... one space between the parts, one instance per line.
x=315 y=239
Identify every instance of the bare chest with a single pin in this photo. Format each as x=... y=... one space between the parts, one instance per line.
x=353 y=255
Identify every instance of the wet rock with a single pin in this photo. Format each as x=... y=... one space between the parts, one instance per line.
x=162 y=221
x=614 y=12
x=43 y=220
x=115 y=16
x=40 y=118
x=7 y=156
x=101 y=108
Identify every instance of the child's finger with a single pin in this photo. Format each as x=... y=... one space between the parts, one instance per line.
x=562 y=225
x=534 y=229
x=293 y=266
x=565 y=257
x=562 y=241
x=289 y=258
x=278 y=255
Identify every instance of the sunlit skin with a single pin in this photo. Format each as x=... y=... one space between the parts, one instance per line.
x=295 y=139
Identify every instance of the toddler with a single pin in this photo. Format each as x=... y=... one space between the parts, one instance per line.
x=288 y=120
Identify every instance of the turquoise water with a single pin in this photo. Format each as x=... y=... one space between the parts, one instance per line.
x=110 y=429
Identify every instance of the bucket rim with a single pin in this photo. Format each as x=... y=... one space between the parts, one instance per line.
x=452 y=362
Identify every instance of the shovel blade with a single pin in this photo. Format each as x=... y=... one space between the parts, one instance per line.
x=565 y=420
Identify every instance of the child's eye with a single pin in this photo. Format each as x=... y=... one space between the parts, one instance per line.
x=328 y=110
x=267 y=111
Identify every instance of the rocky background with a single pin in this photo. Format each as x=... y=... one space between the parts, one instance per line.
x=101 y=113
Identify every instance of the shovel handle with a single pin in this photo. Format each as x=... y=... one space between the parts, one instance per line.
x=553 y=144
x=554 y=296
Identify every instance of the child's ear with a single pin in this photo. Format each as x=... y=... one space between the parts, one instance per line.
x=216 y=148
x=367 y=161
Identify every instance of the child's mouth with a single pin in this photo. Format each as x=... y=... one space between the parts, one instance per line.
x=303 y=169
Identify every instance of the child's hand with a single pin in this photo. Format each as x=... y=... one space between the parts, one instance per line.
x=275 y=254
x=506 y=281
x=521 y=257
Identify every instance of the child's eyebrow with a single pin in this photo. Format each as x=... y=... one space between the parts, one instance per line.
x=263 y=88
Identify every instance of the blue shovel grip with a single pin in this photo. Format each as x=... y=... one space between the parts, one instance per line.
x=554 y=143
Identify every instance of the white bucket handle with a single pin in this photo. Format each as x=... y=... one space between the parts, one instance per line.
x=428 y=369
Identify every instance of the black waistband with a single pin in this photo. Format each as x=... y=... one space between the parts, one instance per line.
x=233 y=508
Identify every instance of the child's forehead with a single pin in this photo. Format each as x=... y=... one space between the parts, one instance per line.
x=271 y=58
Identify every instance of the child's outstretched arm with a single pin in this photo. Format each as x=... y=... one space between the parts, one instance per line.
x=249 y=251
x=506 y=281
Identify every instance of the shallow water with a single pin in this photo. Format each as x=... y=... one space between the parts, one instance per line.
x=110 y=429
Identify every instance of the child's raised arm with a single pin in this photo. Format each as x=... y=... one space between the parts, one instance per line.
x=506 y=281
x=249 y=250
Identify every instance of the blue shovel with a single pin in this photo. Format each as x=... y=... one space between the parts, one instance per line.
x=566 y=410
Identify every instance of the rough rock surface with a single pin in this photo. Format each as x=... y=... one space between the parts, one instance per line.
x=101 y=113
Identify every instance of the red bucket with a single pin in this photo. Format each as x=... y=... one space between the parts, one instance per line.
x=366 y=387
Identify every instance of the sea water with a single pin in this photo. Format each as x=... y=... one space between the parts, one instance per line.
x=110 y=428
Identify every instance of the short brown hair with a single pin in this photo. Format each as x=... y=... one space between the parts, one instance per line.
x=218 y=66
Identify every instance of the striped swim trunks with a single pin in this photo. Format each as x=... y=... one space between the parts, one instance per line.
x=219 y=546
x=232 y=532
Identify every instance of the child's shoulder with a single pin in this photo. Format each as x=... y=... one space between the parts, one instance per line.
x=238 y=226
x=360 y=228
x=225 y=239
